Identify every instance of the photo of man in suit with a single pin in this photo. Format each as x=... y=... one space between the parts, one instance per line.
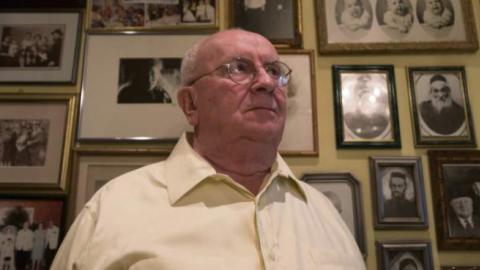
x=462 y=222
x=398 y=206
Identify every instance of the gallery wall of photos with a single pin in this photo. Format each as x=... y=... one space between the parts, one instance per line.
x=383 y=113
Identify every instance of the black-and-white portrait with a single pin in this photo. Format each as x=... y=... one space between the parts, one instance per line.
x=399 y=193
x=436 y=16
x=31 y=46
x=354 y=17
x=365 y=106
x=395 y=17
x=148 y=80
x=406 y=260
x=198 y=11
x=440 y=104
x=461 y=186
x=23 y=142
x=273 y=19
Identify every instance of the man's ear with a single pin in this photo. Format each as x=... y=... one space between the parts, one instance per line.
x=186 y=100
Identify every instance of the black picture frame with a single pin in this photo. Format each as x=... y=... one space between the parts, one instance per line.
x=396 y=254
x=408 y=211
x=365 y=106
x=454 y=179
x=279 y=21
x=344 y=191
x=445 y=86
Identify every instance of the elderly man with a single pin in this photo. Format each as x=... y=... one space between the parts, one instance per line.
x=462 y=222
x=441 y=113
x=398 y=205
x=224 y=199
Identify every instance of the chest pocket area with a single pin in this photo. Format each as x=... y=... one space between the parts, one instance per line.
x=178 y=264
x=326 y=259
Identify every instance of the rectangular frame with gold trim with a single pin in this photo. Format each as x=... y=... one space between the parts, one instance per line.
x=36 y=133
x=370 y=30
x=280 y=21
x=148 y=15
x=449 y=126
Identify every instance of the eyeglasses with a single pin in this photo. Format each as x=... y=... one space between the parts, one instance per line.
x=244 y=71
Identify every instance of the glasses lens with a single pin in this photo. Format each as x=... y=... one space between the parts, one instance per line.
x=241 y=71
x=279 y=71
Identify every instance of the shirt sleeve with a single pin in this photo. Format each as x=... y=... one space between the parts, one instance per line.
x=76 y=241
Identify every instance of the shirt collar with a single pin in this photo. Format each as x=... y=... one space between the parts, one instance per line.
x=185 y=169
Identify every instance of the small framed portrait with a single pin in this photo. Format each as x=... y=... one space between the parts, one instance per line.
x=390 y=26
x=440 y=107
x=404 y=255
x=365 y=106
x=343 y=190
x=35 y=135
x=400 y=195
x=455 y=179
x=278 y=20
x=35 y=223
x=121 y=15
x=39 y=47
x=92 y=171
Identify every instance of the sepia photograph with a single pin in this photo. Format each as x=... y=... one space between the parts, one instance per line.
x=440 y=106
x=30 y=231
x=148 y=80
x=150 y=14
x=23 y=142
x=277 y=20
x=31 y=46
x=456 y=190
x=404 y=255
x=39 y=47
x=343 y=191
x=398 y=26
x=400 y=197
x=365 y=106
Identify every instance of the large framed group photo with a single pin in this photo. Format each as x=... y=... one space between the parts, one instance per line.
x=39 y=47
x=440 y=105
x=354 y=26
x=455 y=180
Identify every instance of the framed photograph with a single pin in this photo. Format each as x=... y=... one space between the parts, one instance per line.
x=403 y=255
x=29 y=4
x=365 y=106
x=279 y=20
x=456 y=198
x=121 y=15
x=440 y=107
x=460 y=268
x=35 y=220
x=92 y=171
x=39 y=47
x=400 y=195
x=357 y=26
x=116 y=89
x=343 y=190
x=35 y=135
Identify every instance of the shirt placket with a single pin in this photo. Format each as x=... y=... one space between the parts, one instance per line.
x=266 y=233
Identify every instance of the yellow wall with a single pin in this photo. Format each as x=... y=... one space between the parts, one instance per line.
x=356 y=161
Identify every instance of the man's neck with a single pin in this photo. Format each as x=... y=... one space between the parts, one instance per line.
x=246 y=162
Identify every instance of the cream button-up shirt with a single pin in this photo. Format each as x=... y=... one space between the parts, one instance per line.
x=180 y=214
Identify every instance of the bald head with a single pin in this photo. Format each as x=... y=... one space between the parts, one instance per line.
x=204 y=55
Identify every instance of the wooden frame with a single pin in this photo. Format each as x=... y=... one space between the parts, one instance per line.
x=39 y=47
x=15 y=211
x=400 y=195
x=365 y=106
x=398 y=254
x=37 y=133
x=279 y=21
x=454 y=180
x=344 y=191
x=453 y=125
x=144 y=15
x=371 y=30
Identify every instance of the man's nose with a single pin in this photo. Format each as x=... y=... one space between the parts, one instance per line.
x=263 y=81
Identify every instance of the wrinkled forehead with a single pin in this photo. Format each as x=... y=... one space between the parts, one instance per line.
x=462 y=200
x=225 y=46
